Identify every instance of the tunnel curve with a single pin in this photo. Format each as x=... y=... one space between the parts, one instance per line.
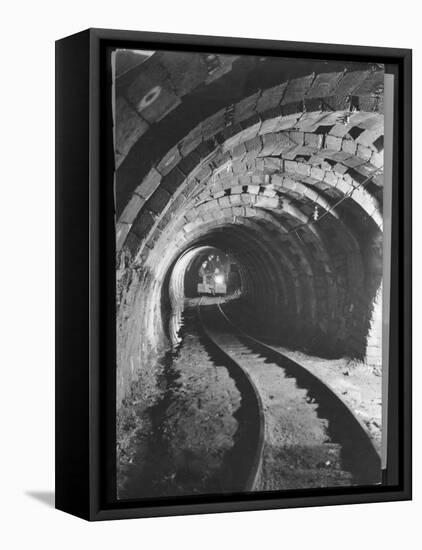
x=288 y=180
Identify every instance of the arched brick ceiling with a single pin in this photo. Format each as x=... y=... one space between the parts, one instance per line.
x=287 y=178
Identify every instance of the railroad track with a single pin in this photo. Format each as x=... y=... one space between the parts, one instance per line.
x=294 y=431
x=246 y=457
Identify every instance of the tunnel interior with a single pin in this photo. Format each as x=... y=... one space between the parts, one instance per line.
x=214 y=265
x=284 y=180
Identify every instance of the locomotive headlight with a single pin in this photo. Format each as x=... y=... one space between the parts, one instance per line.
x=219 y=279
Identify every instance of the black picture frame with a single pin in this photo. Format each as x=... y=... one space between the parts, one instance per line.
x=85 y=338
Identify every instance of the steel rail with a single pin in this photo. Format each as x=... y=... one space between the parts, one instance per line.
x=363 y=447
x=251 y=397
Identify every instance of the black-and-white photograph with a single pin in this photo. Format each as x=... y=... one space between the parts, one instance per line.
x=249 y=198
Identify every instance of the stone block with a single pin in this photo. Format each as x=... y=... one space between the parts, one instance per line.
x=224 y=202
x=188 y=163
x=353 y=162
x=340 y=156
x=151 y=92
x=314 y=140
x=189 y=227
x=365 y=169
x=272 y=165
x=296 y=137
x=132 y=209
x=363 y=152
x=317 y=173
x=295 y=108
x=333 y=142
x=269 y=144
x=291 y=153
x=266 y=202
x=370 y=103
x=131 y=126
x=258 y=179
x=377 y=159
x=260 y=164
x=143 y=224
x=230 y=131
x=254 y=144
x=222 y=163
x=269 y=192
x=296 y=89
x=122 y=231
x=286 y=183
x=169 y=161
x=203 y=173
x=340 y=168
x=290 y=166
x=351 y=81
x=349 y=146
x=245 y=198
x=340 y=130
x=324 y=85
x=191 y=141
x=233 y=140
x=213 y=124
x=244 y=179
x=225 y=66
x=371 y=121
x=236 y=189
x=271 y=97
x=185 y=70
x=238 y=166
x=368 y=137
x=238 y=151
x=372 y=85
x=330 y=178
x=303 y=169
x=288 y=121
x=206 y=148
x=190 y=215
x=158 y=200
x=307 y=151
x=173 y=180
x=250 y=132
x=132 y=243
x=234 y=199
x=310 y=121
x=269 y=125
x=238 y=211
x=149 y=184
x=245 y=108
x=254 y=189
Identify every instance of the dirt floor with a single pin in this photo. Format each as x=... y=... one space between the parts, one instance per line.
x=179 y=442
x=190 y=429
x=358 y=385
x=298 y=451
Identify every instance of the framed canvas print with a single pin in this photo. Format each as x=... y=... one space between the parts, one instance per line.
x=233 y=274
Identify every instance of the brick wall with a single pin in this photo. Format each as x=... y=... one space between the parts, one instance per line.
x=279 y=177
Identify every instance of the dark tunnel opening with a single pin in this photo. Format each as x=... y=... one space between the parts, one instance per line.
x=277 y=302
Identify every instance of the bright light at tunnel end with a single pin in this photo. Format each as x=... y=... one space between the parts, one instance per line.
x=219 y=279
